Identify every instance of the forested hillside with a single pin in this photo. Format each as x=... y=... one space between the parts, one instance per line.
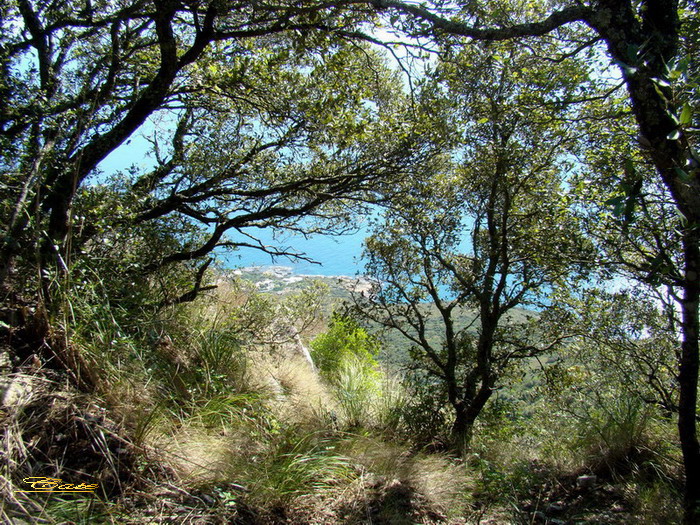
x=521 y=348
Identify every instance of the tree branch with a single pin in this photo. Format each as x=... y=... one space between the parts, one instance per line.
x=557 y=19
x=194 y=292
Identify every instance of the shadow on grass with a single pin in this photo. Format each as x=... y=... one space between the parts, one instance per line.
x=390 y=503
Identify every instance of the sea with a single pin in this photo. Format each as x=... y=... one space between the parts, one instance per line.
x=331 y=254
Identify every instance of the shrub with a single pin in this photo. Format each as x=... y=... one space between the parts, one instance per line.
x=344 y=341
x=367 y=396
x=425 y=419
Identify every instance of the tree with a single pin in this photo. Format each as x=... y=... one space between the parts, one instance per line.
x=631 y=218
x=627 y=338
x=484 y=235
x=654 y=44
x=258 y=116
x=270 y=118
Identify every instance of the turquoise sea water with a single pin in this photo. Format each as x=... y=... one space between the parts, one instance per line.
x=337 y=255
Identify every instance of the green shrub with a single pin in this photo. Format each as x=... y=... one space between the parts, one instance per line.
x=367 y=396
x=424 y=416
x=344 y=341
x=614 y=431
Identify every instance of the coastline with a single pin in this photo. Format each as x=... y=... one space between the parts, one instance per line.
x=280 y=279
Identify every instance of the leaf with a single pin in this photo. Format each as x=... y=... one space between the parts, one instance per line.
x=632 y=53
x=683 y=64
x=686 y=115
x=672 y=116
x=674 y=135
x=661 y=82
x=630 y=206
x=682 y=174
x=659 y=92
x=630 y=70
x=483 y=120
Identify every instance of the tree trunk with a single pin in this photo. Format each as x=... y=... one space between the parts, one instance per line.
x=461 y=430
x=656 y=123
x=465 y=417
x=688 y=378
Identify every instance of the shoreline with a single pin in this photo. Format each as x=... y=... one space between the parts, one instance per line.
x=281 y=279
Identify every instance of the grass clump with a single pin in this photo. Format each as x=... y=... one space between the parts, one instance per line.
x=298 y=465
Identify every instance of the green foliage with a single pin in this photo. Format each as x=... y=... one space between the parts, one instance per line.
x=219 y=361
x=109 y=337
x=494 y=201
x=658 y=502
x=391 y=402
x=488 y=227
x=367 y=395
x=613 y=429
x=628 y=340
x=345 y=347
x=266 y=318
x=424 y=417
x=604 y=421
x=204 y=364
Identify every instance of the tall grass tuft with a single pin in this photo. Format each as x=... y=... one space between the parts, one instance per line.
x=220 y=361
x=229 y=410
x=302 y=465
x=369 y=397
x=615 y=433
x=357 y=389
x=391 y=403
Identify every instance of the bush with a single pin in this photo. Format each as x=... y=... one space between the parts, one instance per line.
x=367 y=396
x=425 y=419
x=344 y=342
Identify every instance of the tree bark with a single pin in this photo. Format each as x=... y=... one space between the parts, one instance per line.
x=466 y=414
x=688 y=378
x=461 y=430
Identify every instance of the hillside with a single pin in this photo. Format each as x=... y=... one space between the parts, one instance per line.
x=281 y=281
x=221 y=419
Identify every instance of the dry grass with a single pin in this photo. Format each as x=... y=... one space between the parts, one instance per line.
x=301 y=397
x=442 y=482
x=56 y=432
x=196 y=456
